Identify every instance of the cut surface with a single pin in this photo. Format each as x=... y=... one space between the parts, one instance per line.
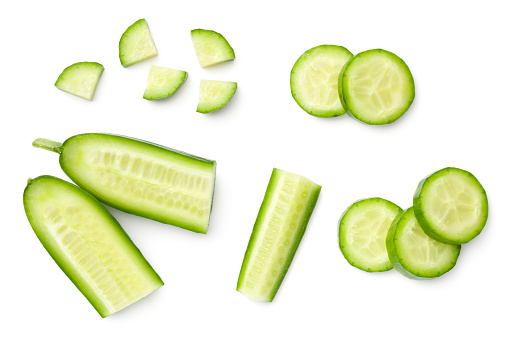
x=214 y=95
x=80 y=79
x=136 y=44
x=211 y=47
x=163 y=82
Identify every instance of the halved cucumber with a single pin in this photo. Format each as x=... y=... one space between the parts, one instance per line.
x=362 y=234
x=314 y=80
x=376 y=87
x=136 y=44
x=140 y=178
x=80 y=79
x=214 y=95
x=416 y=255
x=280 y=225
x=88 y=244
x=163 y=82
x=451 y=206
x=211 y=47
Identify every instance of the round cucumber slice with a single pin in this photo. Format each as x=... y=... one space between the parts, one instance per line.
x=214 y=95
x=451 y=206
x=211 y=47
x=314 y=80
x=80 y=79
x=163 y=82
x=136 y=44
x=376 y=87
x=416 y=255
x=362 y=233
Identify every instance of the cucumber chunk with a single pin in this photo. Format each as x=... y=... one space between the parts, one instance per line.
x=140 y=178
x=88 y=244
x=416 y=255
x=376 y=87
x=451 y=206
x=362 y=234
x=163 y=82
x=136 y=44
x=214 y=95
x=314 y=80
x=80 y=79
x=280 y=225
x=211 y=47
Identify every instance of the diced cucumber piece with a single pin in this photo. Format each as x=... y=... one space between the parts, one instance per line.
x=211 y=47
x=416 y=255
x=136 y=44
x=362 y=234
x=141 y=178
x=280 y=225
x=88 y=244
x=451 y=206
x=214 y=95
x=314 y=80
x=80 y=79
x=163 y=82
x=376 y=87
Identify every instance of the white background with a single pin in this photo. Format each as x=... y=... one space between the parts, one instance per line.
x=460 y=55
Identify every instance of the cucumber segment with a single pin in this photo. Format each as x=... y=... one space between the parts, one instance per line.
x=136 y=44
x=211 y=47
x=314 y=80
x=362 y=234
x=163 y=82
x=140 y=178
x=214 y=95
x=413 y=253
x=88 y=244
x=451 y=206
x=280 y=225
x=80 y=79
x=376 y=87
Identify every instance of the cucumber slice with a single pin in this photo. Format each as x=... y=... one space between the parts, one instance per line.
x=314 y=80
x=362 y=234
x=214 y=95
x=211 y=47
x=88 y=244
x=280 y=225
x=140 y=178
x=80 y=79
x=416 y=255
x=451 y=206
x=136 y=44
x=376 y=87
x=163 y=82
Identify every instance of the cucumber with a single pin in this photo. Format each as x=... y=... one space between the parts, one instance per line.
x=80 y=79
x=163 y=82
x=214 y=95
x=314 y=80
x=362 y=233
x=88 y=244
x=140 y=178
x=211 y=47
x=280 y=225
x=136 y=44
x=451 y=206
x=376 y=87
x=416 y=255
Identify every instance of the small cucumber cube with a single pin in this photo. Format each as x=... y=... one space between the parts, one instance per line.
x=163 y=82
x=136 y=44
x=214 y=95
x=80 y=79
x=211 y=47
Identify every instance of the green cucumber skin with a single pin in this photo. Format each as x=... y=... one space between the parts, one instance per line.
x=340 y=91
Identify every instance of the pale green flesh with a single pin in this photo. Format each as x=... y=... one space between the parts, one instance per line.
x=163 y=82
x=211 y=47
x=214 y=95
x=136 y=44
x=80 y=79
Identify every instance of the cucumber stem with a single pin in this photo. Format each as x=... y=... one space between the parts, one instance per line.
x=47 y=144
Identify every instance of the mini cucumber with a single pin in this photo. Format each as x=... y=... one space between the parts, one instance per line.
x=163 y=82
x=80 y=79
x=280 y=225
x=214 y=95
x=88 y=244
x=136 y=44
x=211 y=47
x=140 y=178
x=451 y=206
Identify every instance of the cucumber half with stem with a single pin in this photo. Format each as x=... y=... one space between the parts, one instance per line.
x=211 y=47
x=136 y=44
x=80 y=79
x=214 y=95
x=163 y=82
x=140 y=178
x=362 y=233
x=88 y=244
x=451 y=206
x=280 y=225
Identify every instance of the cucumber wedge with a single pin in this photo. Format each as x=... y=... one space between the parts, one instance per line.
x=80 y=79
x=211 y=47
x=214 y=95
x=140 y=178
x=136 y=44
x=280 y=225
x=451 y=206
x=163 y=82
x=88 y=244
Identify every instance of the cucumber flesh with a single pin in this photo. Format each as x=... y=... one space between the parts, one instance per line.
x=88 y=244
x=214 y=95
x=136 y=44
x=280 y=225
x=163 y=82
x=211 y=47
x=80 y=79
